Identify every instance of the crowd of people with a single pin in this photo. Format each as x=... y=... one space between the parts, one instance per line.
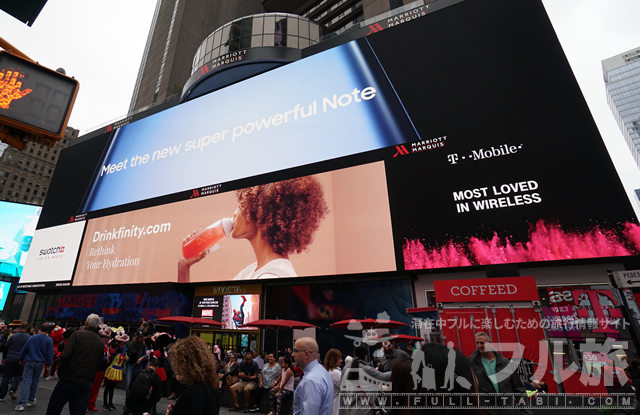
x=192 y=375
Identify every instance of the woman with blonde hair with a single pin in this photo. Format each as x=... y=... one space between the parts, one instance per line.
x=195 y=367
x=332 y=362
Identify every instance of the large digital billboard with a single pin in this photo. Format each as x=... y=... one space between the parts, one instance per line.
x=17 y=227
x=55 y=251
x=352 y=235
x=480 y=145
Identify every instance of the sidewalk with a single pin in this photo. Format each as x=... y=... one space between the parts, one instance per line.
x=45 y=387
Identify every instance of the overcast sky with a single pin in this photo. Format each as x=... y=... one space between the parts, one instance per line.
x=101 y=44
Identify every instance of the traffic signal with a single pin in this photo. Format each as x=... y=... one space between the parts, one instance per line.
x=35 y=101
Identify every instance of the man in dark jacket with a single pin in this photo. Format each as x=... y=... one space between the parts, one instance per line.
x=486 y=363
x=80 y=360
x=11 y=362
x=145 y=390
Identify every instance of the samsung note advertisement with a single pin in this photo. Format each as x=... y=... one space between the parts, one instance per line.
x=54 y=253
x=300 y=114
x=457 y=139
x=17 y=226
x=326 y=224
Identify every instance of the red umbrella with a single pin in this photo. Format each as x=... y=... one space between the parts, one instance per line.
x=402 y=337
x=367 y=324
x=279 y=324
x=190 y=321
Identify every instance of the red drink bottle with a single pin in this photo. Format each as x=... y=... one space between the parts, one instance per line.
x=208 y=239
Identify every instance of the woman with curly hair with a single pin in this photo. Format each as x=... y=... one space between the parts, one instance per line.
x=278 y=219
x=195 y=367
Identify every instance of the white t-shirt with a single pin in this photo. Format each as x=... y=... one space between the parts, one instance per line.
x=277 y=268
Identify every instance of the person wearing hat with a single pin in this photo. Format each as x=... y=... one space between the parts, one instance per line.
x=137 y=356
x=113 y=373
x=104 y=332
x=10 y=360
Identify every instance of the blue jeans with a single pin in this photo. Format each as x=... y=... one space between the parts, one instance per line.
x=13 y=374
x=30 y=378
x=75 y=393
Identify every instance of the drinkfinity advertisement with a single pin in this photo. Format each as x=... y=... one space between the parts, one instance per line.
x=324 y=223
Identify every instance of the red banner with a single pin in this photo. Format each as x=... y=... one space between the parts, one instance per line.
x=486 y=289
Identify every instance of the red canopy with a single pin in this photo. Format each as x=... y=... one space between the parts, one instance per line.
x=189 y=320
x=279 y=324
x=367 y=324
x=402 y=337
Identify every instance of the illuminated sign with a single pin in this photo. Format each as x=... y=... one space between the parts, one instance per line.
x=470 y=158
x=5 y=287
x=33 y=98
x=17 y=227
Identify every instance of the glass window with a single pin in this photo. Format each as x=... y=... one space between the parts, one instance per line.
x=20 y=161
x=224 y=48
x=12 y=185
x=215 y=53
x=234 y=44
x=269 y=24
x=257 y=24
x=225 y=34
x=280 y=40
x=209 y=44
x=30 y=181
x=245 y=42
x=28 y=190
x=216 y=39
x=314 y=31
x=268 y=40
x=292 y=26
x=303 y=28
x=22 y=180
x=256 y=41
x=304 y=43
x=236 y=30
x=247 y=26
x=1 y=172
x=9 y=157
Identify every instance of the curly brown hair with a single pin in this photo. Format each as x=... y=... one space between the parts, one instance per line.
x=192 y=360
x=287 y=213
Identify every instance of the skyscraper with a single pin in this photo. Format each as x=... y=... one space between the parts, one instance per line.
x=179 y=26
x=622 y=79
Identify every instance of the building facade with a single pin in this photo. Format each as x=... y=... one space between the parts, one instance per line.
x=622 y=79
x=25 y=175
x=180 y=26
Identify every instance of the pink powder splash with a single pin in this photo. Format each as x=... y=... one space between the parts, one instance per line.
x=547 y=242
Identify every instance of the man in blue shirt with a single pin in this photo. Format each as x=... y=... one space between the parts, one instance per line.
x=248 y=374
x=37 y=351
x=314 y=394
